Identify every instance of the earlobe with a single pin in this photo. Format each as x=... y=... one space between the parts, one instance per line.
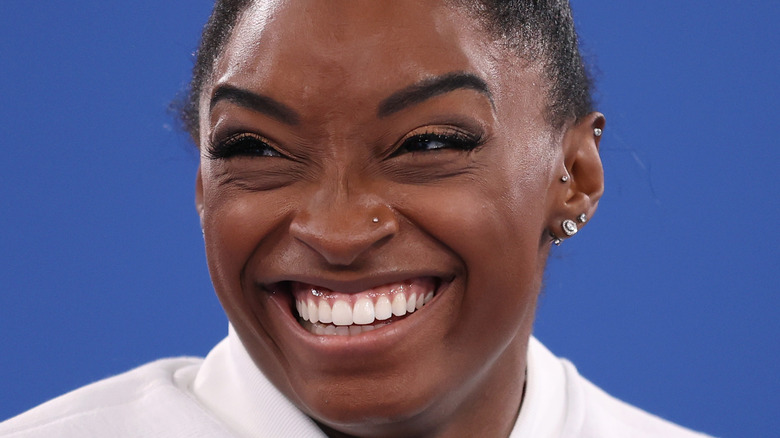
x=582 y=183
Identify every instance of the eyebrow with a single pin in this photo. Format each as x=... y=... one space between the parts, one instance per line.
x=256 y=102
x=431 y=87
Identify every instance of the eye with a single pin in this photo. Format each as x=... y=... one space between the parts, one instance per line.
x=433 y=141
x=245 y=144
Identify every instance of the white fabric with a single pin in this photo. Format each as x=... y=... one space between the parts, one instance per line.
x=225 y=395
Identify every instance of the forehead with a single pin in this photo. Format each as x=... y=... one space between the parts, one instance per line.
x=303 y=50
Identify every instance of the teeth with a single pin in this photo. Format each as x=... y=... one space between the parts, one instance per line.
x=399 y=305
x=336 y=314
x=363 y=313
x=313 y=310
x=411 y=305
x=325 y=314
x=342 y=330
x=342 y=313
x=383 y=308
x=304 y=311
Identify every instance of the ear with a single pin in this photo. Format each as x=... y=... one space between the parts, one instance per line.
x=199 y=195
x=579 y=183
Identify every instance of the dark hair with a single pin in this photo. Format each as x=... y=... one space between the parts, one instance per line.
x=538 y=30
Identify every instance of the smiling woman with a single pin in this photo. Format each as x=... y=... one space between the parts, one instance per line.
x=379 y=187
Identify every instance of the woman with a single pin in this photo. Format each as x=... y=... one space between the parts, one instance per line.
x=380 y=185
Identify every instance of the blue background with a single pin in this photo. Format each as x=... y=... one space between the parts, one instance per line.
x=668 y=299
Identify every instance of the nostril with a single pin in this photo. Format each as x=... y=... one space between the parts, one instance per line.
x=340 y=237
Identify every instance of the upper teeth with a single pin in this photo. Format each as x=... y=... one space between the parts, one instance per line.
x=345 y=310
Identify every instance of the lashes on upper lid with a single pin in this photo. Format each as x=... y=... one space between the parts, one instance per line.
x=244 y=144
x=436 y=141
x=253 y=145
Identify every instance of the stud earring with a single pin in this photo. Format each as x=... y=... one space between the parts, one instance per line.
x=565 y=178
x=582 y=218
x=569 y=227
x=597 y=132
x=375 y=220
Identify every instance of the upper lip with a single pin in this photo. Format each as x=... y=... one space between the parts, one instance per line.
x=352 y=283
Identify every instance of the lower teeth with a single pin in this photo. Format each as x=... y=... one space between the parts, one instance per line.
x=343 y=330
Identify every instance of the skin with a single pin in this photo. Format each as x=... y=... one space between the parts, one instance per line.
x=477 y=220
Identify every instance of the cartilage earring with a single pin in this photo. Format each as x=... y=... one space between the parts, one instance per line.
x=375 y=220
x=565 y=178
x=569 y=227
x=597 y=132
x=555 y=239
x=582 y=218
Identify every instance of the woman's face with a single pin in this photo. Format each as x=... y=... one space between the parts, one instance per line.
x=355 y=152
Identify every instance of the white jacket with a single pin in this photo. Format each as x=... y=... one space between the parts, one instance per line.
x=225 y=395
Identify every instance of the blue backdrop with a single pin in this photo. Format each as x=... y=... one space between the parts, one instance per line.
x=668 y=299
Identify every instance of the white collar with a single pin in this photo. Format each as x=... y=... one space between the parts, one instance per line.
x=549 y=405
x=235 y=391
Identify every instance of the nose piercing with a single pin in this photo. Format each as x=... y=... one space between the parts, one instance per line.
x=375 y=220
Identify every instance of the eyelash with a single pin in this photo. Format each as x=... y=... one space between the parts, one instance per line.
x=455 y=140
x=244 y=144
x=247 y=144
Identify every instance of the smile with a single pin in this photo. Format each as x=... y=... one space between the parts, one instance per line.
x=323 y=311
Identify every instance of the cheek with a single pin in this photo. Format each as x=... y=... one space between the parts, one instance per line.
x=493 y=225
x=236 y=225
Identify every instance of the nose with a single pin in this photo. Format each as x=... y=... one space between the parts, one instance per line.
x=342 y=230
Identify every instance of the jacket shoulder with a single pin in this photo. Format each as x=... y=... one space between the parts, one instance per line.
x=150 y=400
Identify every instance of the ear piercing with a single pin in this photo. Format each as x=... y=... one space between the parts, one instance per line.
x=597 y=132
x=565 y=178
x=569 y=227
x=375 y=220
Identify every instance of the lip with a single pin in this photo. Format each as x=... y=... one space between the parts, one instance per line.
x=280 y=305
